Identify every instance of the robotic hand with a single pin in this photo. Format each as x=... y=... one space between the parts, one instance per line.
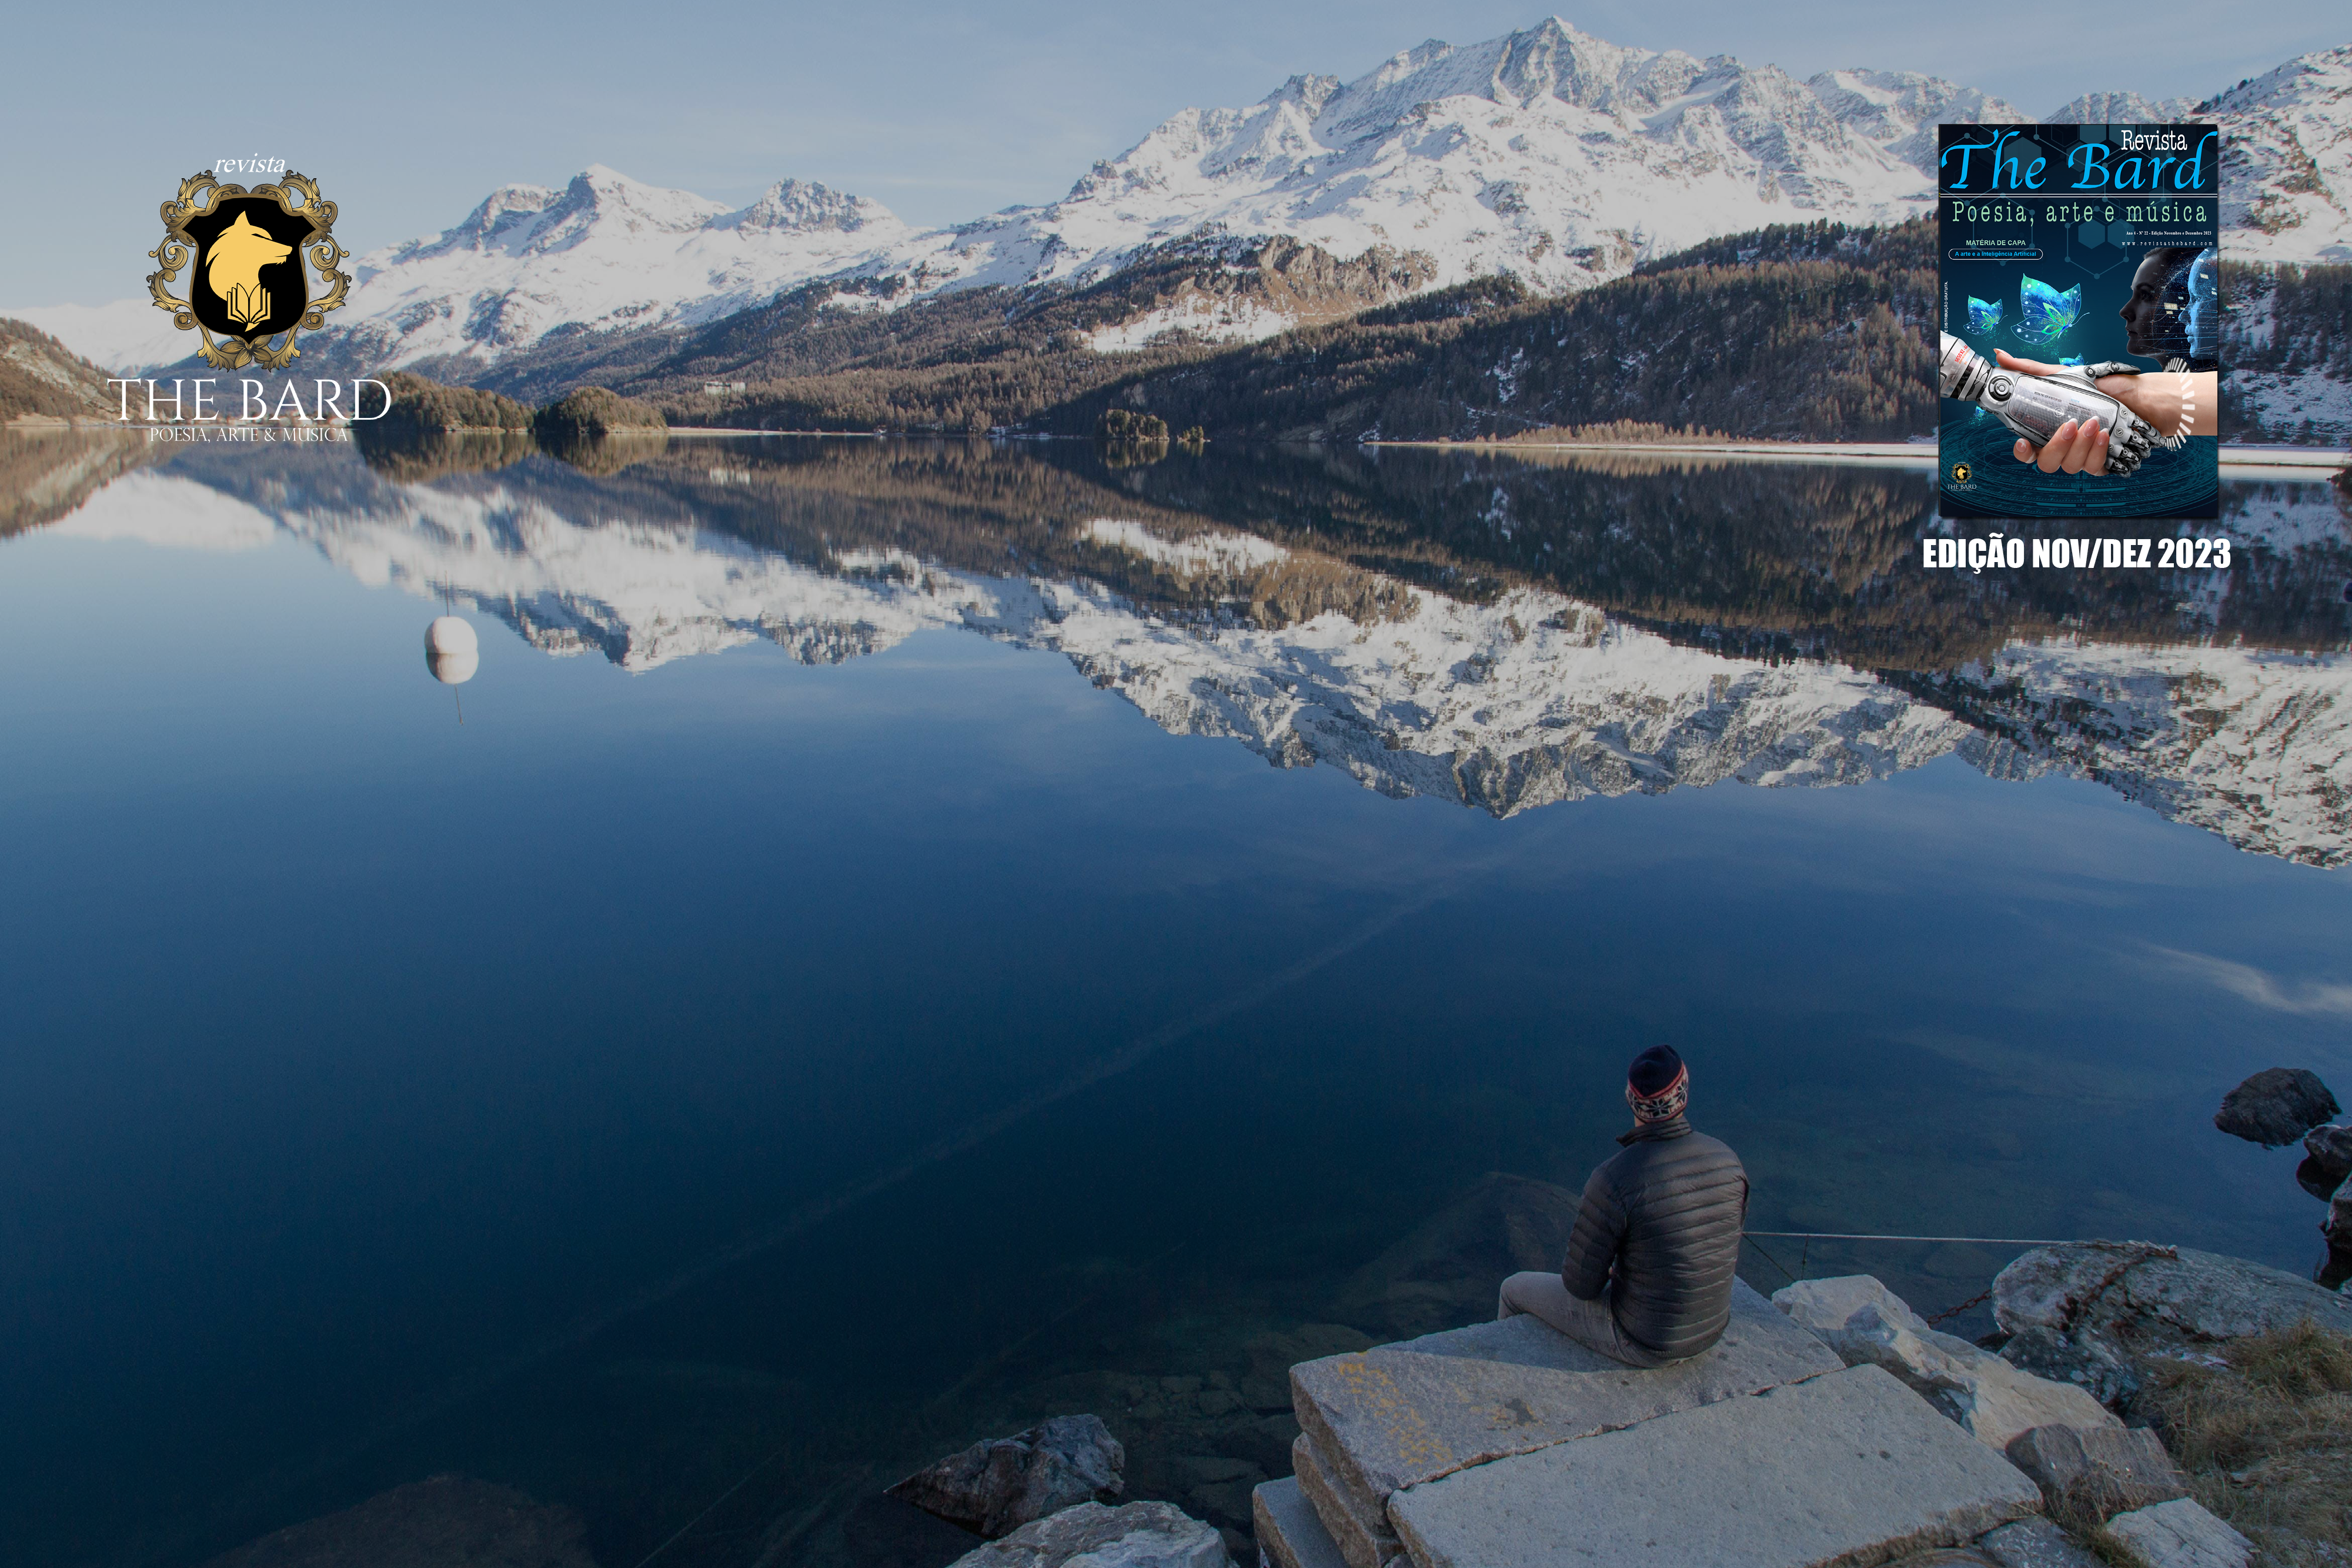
x=2035 y=406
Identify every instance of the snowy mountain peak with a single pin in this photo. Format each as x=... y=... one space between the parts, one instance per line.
x=1899 y=111
x=500 y=211
x=2287 y=162
x=602 y=196
x=606 y=251
x=1311 y=94
x=2120 y=109
x=803 y=206
x=1550 y=60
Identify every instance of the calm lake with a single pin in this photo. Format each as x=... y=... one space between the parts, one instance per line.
x=898 y=941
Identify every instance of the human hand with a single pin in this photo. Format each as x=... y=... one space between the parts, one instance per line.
x=2173 y=402
x=2077 y=448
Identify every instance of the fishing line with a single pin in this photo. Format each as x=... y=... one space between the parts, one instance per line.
x=1878 y=1236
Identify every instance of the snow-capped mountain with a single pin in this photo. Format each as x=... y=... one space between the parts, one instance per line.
x=605 y=251
x=1546 y=153
x=1899 y=111
x=1530 y=699
x=2119 y=109
x=2286 y=166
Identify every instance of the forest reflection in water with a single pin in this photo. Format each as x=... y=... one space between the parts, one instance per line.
x=1504 y=630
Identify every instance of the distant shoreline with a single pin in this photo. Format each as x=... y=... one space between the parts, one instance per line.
x=2238 y=456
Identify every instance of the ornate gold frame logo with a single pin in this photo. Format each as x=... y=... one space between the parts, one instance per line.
x=249 y=255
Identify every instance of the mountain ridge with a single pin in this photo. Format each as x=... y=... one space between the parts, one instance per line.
x=1544 y=154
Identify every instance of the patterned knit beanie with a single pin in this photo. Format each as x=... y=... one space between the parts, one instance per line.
x=1657 y=1085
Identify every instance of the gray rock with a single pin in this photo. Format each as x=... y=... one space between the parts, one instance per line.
x=1993 y=1400
x=2327 y=1161
x=1139 y=1535
x=1397 y=1415
x=2086 y=1475
x=2095 y=1312
x=2179 y=1534
x=1362 y=1532
x=1289 y=1535
x=998 y=1486
x=2275 y=1106
x=2036 y=1544
x=2087 y=1362
x=1849 y=1467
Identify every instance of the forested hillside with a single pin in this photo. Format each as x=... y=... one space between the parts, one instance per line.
x=1826 y=337
x=1809 y=331
x=2287 y=349
x=41 y=377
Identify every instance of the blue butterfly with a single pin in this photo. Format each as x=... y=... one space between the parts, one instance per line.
x=1984 y=315
x=2045 y=314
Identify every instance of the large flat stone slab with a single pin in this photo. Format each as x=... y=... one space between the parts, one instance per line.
x=1289 y=1533
x=1842 y=1470
x=1399 y=1414
x=2177 y=1534
x=1359 y=1529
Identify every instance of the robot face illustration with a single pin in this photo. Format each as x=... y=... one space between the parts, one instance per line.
x=2175 y=306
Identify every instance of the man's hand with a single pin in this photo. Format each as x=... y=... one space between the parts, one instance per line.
x=2075 y=448
x=2173 y=404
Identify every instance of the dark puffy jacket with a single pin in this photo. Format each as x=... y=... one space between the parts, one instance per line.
x=1666 y=1214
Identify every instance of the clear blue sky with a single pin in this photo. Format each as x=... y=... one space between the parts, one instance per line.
x=409 y=116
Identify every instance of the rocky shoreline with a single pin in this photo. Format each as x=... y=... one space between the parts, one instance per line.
x=2147 y=1403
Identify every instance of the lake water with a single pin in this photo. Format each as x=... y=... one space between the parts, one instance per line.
x=899 y=941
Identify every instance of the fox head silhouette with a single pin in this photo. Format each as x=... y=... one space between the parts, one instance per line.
x=238 y=253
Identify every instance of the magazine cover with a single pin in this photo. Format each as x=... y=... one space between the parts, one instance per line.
x=2080 y=313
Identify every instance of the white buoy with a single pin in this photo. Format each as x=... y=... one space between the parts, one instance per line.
x=451 y=651
x=448 y=635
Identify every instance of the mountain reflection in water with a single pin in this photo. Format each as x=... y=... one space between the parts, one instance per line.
x=1502 y=631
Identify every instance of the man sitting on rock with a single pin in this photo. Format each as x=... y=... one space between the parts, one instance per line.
x=1649 y=1263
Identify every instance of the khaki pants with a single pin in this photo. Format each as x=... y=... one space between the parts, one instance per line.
x=1589 y=1323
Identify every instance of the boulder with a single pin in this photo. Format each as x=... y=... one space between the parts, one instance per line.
x=2327 y=1160
x=2086 y=1474
x=2093 y=1312
x=448 y=1521
x=2275 y=1107
x=1139 y=1535
x=2179 y=1534
x=998 y=1486
x=2035 y=1544
x=1993 y=1400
